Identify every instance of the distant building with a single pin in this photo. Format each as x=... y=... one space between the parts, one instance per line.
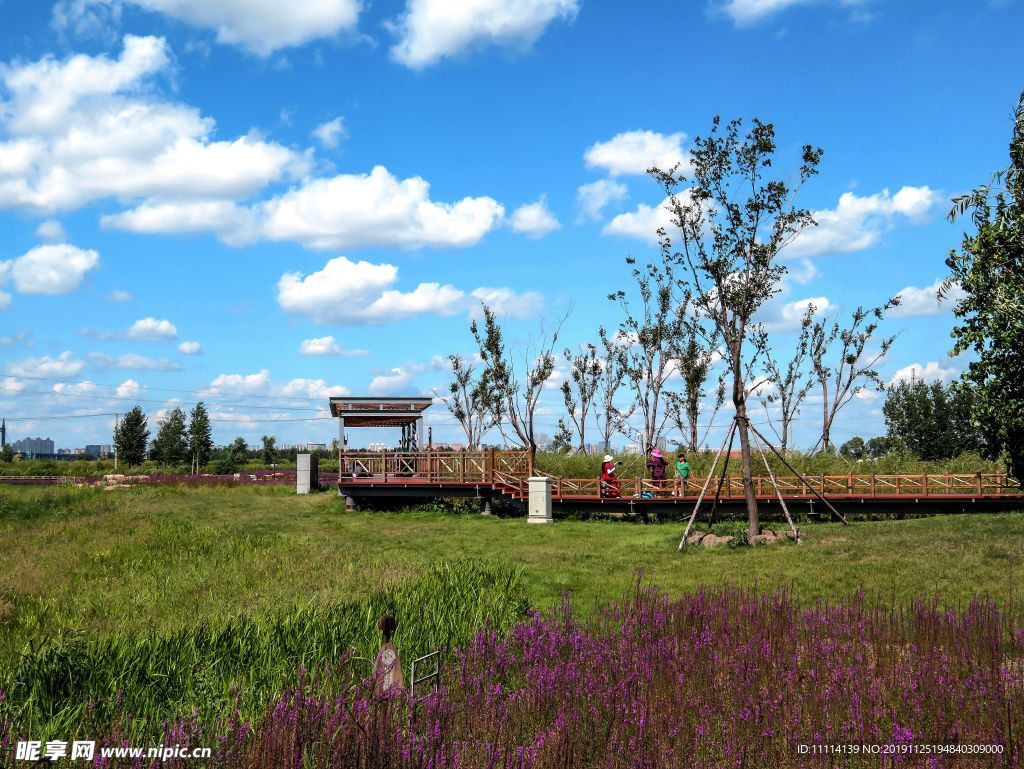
x=98 y=451
x=34 y=446
x=316 y=447
x=378 y=447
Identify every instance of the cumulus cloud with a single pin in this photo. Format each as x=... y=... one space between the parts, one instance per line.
x=152 y=330
x=261 y=383
x=431 y=30
x=398 y=381
x=52 y=231
x=508 y=303
x=331 y=133
x=129 y=388
x=259 y=26
x=50 y=270
x=364 y=293
x=62 y=366
x=534 y=220
x=747 y=12
x=132 y=362
x=591 y=199
x=236 y=225
x=190 y=348
x=927 y=372
x=376 y=209
x=89 y=128
x=642 y=223
x=857 y=222
x=786 y=316
x=917 y=302
x=633 y=152
x=327 y=345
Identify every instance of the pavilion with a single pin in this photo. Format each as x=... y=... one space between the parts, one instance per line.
x=405 y=413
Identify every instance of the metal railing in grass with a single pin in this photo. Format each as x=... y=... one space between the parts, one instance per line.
x=433 y=675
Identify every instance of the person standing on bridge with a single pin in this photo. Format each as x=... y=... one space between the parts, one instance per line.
x=658 y=467
x=609 y=481
x=682 y=473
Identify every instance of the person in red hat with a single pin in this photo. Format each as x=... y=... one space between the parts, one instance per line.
x=658 y=467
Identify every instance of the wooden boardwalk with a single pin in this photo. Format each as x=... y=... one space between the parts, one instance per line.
x=368 y=476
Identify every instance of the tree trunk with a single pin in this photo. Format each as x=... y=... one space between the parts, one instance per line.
x=753 y=520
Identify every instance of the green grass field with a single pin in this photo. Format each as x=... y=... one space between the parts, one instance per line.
x=92 y=562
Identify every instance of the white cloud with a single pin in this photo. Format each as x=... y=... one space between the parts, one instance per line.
x=235 y=225
x=633 y=152
x=75 y=388
x=52 y=231
x=535 y=220
x=360 y=292
x=746 y=12
x=89 y=128
x=916 y=302
x=928 y=372
x=63 y=366
x=788 y=315
x=592 y=198
x=129 y=389
x=430 y=30
x=5 y=300
x=152 y=330
x=11 y=386
x=327 y=345
x=315 y=389
x=190 y=348
x=507 y=303
x=241 y=384
x=375 y=209
x=857 y=222
x=642 y=223
x=117 y=295
x=260 y=26
x=50 y=270
x=347 y=292
x=261 y=383
x=396 y=382
x=331 y=133
x=132 y=362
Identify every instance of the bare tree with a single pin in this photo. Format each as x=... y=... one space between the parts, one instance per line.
x=516 y=400
x=694 y=366
x=650 y=341
x=732 y=222
x=579 y=389
x=613 y=374
x=790 y=386
x=854 y=369
x=473 y=400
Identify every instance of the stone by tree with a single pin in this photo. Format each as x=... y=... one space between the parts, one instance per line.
x=988 y=269
x=934 y=421
x=200 y=437
x=844 y=363
x=580 y=388
x=731 y=220
x=171 y=444
x=131 y=437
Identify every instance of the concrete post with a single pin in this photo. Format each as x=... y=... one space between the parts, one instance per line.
x=306 y=475
x=540 y=500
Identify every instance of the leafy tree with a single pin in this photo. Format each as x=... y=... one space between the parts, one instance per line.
x=268 y=452
x=7 y=453
x=878 y=446
x=200 y=437
x=855 y=448
x=790 y=385
x=234 y=457
x=562 y=442
x=732 y=221
x=989 y=271
x=171 y=444
x=473 y=400
x=651 y=335
x=613 y=374
x=694 y=367
x=931 y=420
x=579 y=389
x=516 y=399
x=131 y=437
x=854 y=369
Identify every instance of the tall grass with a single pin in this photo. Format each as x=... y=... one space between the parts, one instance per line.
x=67 y=686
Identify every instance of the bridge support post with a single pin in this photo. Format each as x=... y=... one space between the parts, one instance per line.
x=540 y=500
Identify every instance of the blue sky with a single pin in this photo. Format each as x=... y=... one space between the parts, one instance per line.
x=260 y=203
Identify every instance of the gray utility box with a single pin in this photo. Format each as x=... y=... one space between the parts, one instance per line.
x=307 y=476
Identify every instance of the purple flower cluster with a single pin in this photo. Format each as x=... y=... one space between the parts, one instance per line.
x=714 y=679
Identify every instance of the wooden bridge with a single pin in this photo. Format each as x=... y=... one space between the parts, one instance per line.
x=486 y=475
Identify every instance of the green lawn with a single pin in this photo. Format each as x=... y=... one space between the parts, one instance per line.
x=157 y=559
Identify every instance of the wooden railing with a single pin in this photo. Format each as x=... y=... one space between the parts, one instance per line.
x=510 y=469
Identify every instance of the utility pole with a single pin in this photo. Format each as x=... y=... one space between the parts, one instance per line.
x=116 y=425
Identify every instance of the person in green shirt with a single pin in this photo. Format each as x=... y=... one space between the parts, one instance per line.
x=682 y=473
